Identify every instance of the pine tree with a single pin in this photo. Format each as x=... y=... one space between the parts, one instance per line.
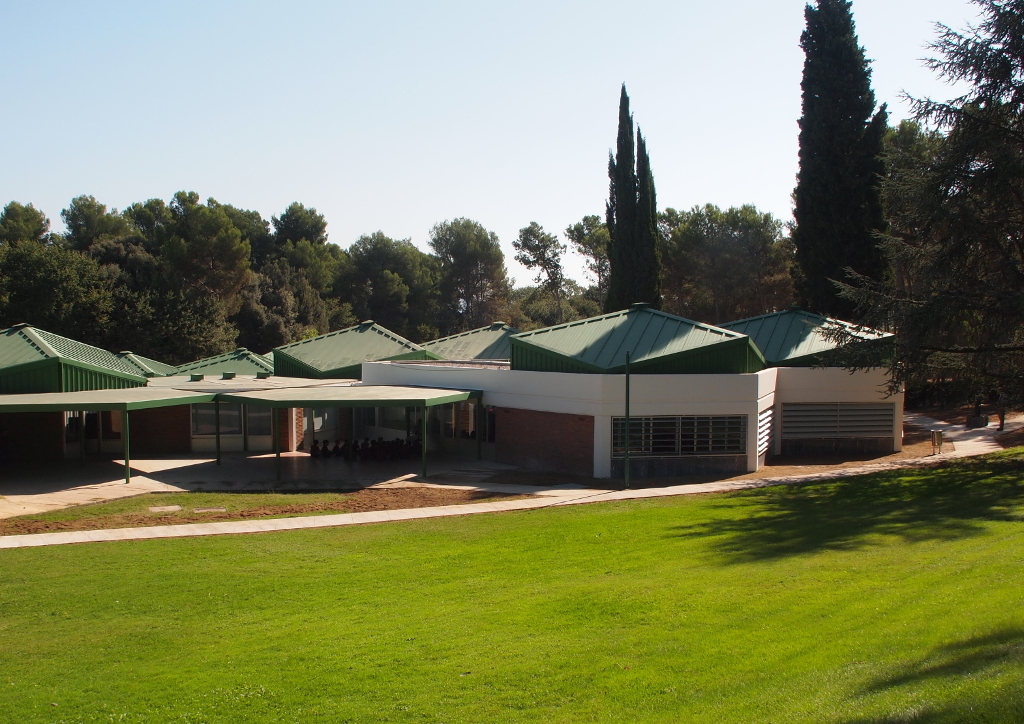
x=838 y=208
x=633 y=256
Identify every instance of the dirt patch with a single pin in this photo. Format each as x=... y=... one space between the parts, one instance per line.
x=1011 y=439
x=361 y=501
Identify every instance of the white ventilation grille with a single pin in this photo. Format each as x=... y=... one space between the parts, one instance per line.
x=765 y=428
x=837 y=420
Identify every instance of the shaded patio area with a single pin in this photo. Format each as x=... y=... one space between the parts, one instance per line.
x=36 y=488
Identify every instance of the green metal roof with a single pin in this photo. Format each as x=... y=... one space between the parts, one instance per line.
x=146 y=366
x=795 y=338
x=658 y=342
x=483 y=343
x=341 y=354
x=241 y=362
x=34 y=360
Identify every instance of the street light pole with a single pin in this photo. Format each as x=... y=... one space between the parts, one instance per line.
x=627 y=420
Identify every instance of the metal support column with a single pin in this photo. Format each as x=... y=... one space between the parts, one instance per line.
x=81 y=437
x=627 y=421
x=216 y=424
x=126 y=437
x=478 y=428
x=275 y=413
x=423 y=437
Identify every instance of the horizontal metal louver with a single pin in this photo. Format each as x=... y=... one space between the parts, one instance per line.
x=837 y=420
x=765 y=420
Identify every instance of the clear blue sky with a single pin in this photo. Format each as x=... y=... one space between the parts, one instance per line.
x=397 y=115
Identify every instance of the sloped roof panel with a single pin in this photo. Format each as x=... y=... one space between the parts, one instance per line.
x=489 y=342
x=241 y=361
x=34 y=360
x=18 y=348
x=794 y=336
x=599 y=344
x=347 y=348
x=70 y=349
x=146 y=366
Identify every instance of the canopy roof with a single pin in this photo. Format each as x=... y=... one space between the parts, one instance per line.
x=658 y=342
x=795 y=338
x=229 y=382
x=136 y=398
x=489 y=342
x=341 y=354
x=146 y=366
x=351 y=396
x=34 y=360
x=241 y=361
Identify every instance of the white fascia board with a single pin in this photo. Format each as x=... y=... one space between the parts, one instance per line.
x=585 y=394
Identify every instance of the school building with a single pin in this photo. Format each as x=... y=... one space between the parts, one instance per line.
x=701 y=398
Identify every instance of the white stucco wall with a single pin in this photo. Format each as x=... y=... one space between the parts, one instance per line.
x=809 y=385
x=603 y=396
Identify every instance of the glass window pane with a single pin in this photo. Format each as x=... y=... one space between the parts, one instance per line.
x=203 y=419
x=230 y=419
x=259 y=420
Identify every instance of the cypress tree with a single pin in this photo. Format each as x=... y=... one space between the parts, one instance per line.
x=838 y=208
x=632 y=220
x=648 y=273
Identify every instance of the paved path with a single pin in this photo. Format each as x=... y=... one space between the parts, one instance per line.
x=968 y=443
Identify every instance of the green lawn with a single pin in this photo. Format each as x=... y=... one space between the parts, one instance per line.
x=888 y=598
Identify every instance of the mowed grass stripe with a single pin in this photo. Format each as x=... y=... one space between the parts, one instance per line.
x=892 y=597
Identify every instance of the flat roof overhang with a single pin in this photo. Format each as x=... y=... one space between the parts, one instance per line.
x=132 y=398
x=352 y=396
x=220 y=384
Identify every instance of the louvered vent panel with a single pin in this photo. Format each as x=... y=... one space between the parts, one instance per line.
x=765 y=429
x=837 y=420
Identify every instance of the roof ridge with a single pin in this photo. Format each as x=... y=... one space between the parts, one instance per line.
x=35 y=339
x=386 y=332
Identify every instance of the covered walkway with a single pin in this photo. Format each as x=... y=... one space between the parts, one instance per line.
x=319 y=395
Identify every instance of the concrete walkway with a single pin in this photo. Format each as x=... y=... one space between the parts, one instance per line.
x=968 y=443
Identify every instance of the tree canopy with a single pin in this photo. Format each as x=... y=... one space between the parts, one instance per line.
x=957 y=239
x=631 y=217
x=838 y=208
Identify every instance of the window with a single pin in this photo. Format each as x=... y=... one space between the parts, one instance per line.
x=368 y=416
x=204 y=419
x=672 y=437
x=259 y=421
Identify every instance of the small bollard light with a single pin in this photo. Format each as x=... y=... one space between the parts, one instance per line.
x=936 y=441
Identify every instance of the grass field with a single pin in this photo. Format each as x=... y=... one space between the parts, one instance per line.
x=887 y=598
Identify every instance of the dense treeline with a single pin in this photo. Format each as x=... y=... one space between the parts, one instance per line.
x=184 y=279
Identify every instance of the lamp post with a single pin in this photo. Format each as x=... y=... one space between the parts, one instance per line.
x=627 y=421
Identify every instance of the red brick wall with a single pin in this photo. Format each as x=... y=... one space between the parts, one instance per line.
x=28 y=436
x=545 y=440
x=161 y=431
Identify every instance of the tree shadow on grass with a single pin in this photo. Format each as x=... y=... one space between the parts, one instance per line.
x=936 y=503
x=977 y=660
